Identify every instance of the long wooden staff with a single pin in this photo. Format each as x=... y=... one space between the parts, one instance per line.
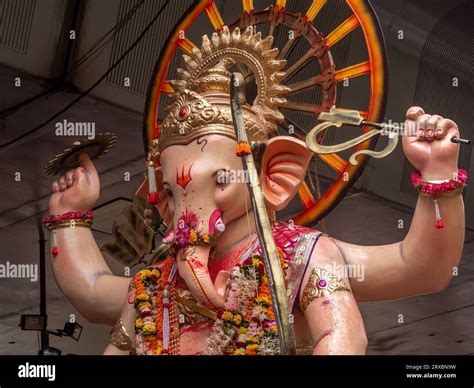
x=264 y=230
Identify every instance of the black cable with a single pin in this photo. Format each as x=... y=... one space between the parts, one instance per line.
x=12 y=109
x=97 y=47
x=87 y=91
x=114 y=30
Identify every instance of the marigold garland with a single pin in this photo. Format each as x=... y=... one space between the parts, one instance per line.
x=149 y=284
x=246 y=325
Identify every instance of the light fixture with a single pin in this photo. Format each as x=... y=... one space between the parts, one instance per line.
x=49 y=351
x=33 y=322
x=73 y=330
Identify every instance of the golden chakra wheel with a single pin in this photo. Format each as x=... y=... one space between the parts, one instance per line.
x=300 y=28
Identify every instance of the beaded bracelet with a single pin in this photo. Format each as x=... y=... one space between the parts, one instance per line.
x=66 y=220
x=439 y=189
x=73 y=215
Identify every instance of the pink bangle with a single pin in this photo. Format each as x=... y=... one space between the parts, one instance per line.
x=439 y=188
x=73 y=215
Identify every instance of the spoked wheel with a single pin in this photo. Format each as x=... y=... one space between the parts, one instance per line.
x=300 y=28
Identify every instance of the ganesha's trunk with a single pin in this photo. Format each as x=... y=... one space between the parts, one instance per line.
x=192 y=266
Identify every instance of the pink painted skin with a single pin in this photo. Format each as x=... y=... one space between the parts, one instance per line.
x=221 y=199
x=421 y=263
x=195 y=270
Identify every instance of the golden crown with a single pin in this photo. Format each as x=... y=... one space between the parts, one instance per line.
x=200 y=104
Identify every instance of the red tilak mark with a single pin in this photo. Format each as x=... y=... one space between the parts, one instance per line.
x=184 y=178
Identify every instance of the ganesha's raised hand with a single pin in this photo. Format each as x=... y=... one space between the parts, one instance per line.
x=77 y=190
x=79 y=267
x=427 y=144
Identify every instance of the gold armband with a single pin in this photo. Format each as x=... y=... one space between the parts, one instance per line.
x=120 y=338
x=70 y=224
x=321 y=283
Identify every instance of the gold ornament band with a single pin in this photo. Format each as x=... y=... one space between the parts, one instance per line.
x=69 y=224
x=321 y=283
x=120 y=338
x=200 y=102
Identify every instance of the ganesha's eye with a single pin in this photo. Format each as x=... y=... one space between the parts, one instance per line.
x=168 y=191
x=223 y=178
x=221 y=183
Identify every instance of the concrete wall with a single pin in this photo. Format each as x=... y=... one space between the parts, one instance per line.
x=419 y=19
x=101 y=16
x=31 y=32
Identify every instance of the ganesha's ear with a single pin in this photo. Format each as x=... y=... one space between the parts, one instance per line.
x=162 y=205
x=284 y=166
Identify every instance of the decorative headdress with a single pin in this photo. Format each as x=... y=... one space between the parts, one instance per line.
x=200 y=104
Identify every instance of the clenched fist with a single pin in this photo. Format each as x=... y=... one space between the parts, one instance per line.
x=427 y=144
x=77 y=190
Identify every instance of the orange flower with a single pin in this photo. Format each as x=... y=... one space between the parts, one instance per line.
x=192 y=236
x=242 y=148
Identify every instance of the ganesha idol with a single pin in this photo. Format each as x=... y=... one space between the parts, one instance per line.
x=212 y=293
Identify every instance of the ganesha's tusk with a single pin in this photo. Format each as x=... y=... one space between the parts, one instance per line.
x=219 y=225
x=215 y=222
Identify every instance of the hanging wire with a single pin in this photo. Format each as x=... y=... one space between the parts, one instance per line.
x=102 y=42
x=94 y=85
x=94 y=51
